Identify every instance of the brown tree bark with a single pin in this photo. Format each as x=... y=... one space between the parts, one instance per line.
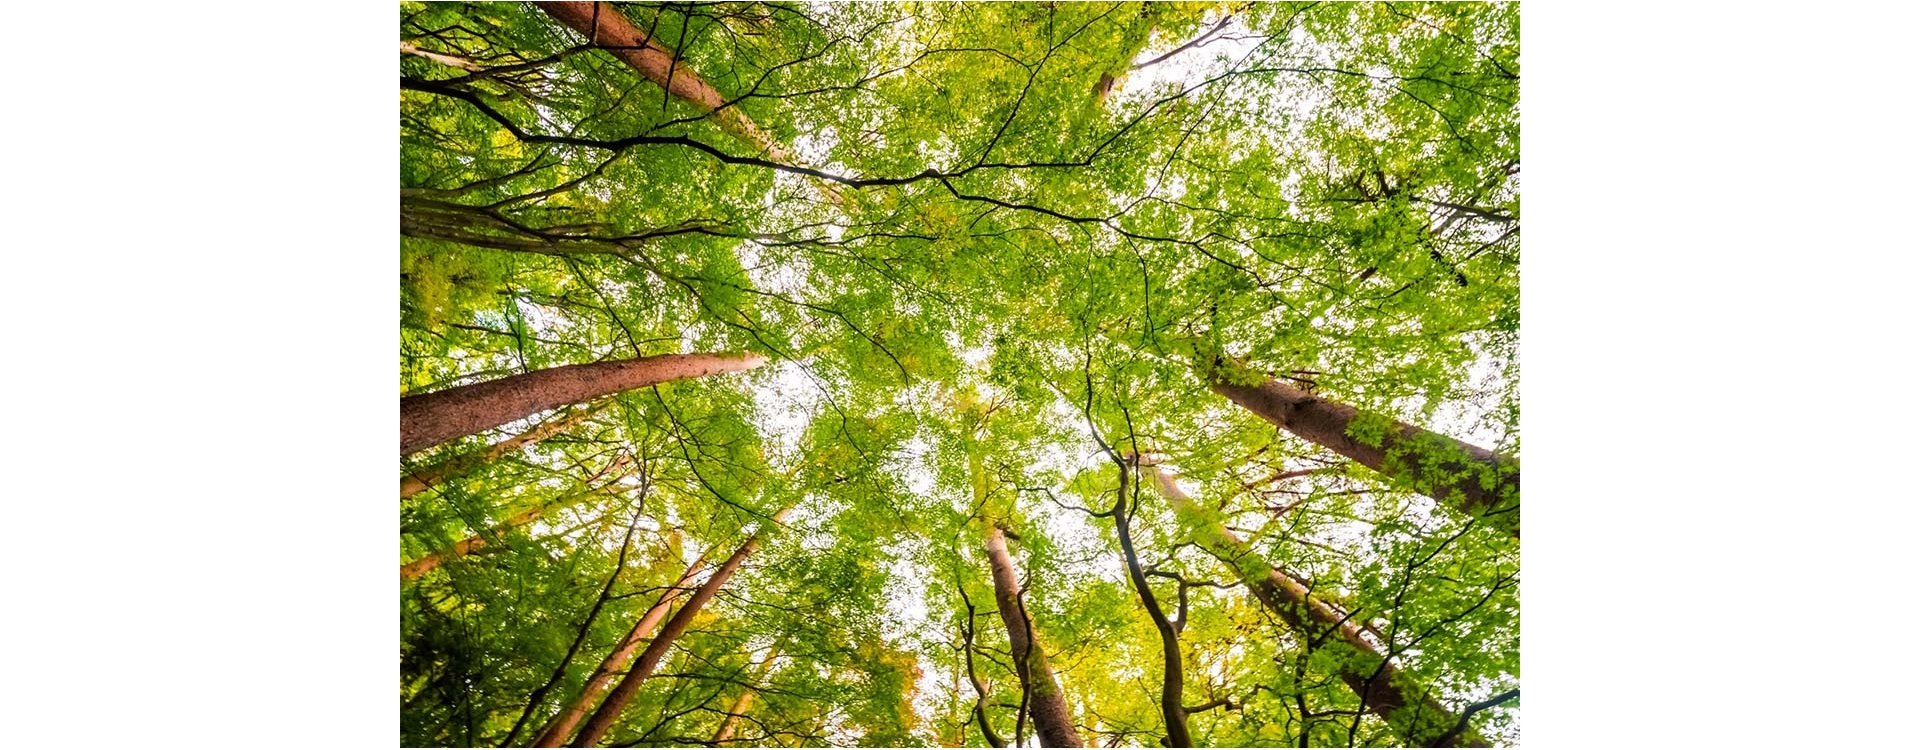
x=557 y=731
x=429 y=419
x=464 y=547
x=606 y=27
x=603 y=717
x=537 y=697
x=1468 y=478
x=417 y=481
x=467 y=546
x=1381 y=687
x=732 y=723
x=1048 y=705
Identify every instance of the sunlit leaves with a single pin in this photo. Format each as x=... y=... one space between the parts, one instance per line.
x=1326 y=193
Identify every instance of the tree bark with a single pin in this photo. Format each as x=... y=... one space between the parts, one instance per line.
x=1471 y=479
x=416 y=482
x=469 y=545
x=1049 y=705
x=1381 y=687
x=732 y=723
x=539 y=694
x=464 y=547
x=1172 y=677
x=413 y=570
x=606 y=27
x=429 y=419
x=603 y=717
x=557 y=731
x=409 y=48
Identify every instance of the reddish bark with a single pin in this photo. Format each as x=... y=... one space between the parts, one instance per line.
x=416 y=482
x=606 y=27
x=740 y=704
x=1471 y=479
x=467 y=546
x=1048 y=705
x=603 y=718
x=429 y=419
x=561 y=727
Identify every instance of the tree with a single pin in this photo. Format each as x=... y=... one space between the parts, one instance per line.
x=1474 y=480
x=561 y=728
x=603 y=717
x=469 y=545
x=1418 y=721
x=429 y=419
x=606 y=27
x=419 y=480
x=977 y=255
x=731 y=724
x=1040 y=689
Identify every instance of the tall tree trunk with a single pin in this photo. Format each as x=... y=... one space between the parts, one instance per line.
x=1382 y=689
x=557 y=732
x=413 y=570
x=1048 y=704
x=606 y=27
x=429 y=419
x=409 y=48
x=603 y=718
x=417 y=481
x=539 y=694
x=464 y=547
x=1172 y=678
x=732 y=723
x=1471 y=479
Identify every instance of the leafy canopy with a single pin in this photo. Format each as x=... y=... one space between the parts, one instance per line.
x=982 y=249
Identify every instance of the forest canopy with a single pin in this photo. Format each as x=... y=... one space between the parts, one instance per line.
x=959 y=374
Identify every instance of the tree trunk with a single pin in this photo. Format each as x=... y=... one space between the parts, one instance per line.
x=539 y=694
x=1172 y=678
x=469 y=545
x=606 y=27
x=409 y=48
x=732 y=723
x=464 y=547
x=1381 y=687
x=603 y=718
x=416 y=482
x=1048 y=704
x=561 y=727
x=1471 y=479
x=429 y=419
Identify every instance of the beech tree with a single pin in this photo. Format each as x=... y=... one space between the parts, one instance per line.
x=960 y=374
x=1472 y=479
x=429 y=419
x=419 y=480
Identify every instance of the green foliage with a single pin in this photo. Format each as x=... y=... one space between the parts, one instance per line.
x=1014 y=280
